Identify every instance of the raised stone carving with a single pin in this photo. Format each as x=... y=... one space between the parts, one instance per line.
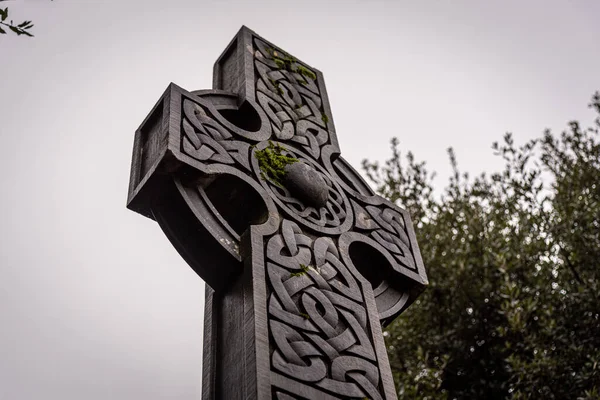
x=303 y=261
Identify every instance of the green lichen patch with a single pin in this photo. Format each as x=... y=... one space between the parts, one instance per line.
x=280 y=63
x=289 y=63
x=305 y=315
x=324 y=118
x=272 y=162
x=303 y=271
x=306 y=72
x=276 y=86
x=281 y=59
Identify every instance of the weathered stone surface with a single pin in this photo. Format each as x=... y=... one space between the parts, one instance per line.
x=301 y=273
x=306 y=184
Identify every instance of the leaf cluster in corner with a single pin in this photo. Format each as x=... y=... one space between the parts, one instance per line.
x=20 y=29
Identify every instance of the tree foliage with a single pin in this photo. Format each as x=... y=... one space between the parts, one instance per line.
x=513 y=258
x=20 y=28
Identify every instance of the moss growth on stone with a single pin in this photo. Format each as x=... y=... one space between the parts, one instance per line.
x=280 y=64
x=303 y=271
x=285 y=61
x=306 y=72
x=281 y=59
x=272 y=163
x=324 y=118
x=277 y=86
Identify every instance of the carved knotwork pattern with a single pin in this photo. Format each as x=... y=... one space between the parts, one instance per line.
x=290 y=275
x=318 y=316
x=291 y=100
x=207 y=140
x=333 y=215
x=388 y=228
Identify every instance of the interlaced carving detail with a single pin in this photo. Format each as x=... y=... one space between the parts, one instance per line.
x=303 y=268
x=388 y=228
x=289 y=94
x=206 y=139
x=333 y=215
x=318 y=317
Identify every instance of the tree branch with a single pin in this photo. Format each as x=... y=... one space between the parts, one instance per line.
x=571 y=266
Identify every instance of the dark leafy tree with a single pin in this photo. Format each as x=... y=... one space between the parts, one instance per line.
x=513 y=306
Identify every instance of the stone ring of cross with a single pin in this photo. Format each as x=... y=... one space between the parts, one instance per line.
x=303 y=262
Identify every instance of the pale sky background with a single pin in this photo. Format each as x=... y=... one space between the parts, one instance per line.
x=94 y=301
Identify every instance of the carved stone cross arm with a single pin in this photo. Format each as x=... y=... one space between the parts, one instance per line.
x=303 y=261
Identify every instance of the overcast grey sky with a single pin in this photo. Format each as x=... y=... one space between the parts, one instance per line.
x=94 y=301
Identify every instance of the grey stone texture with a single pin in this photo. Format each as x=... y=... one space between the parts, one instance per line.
x=300 y=276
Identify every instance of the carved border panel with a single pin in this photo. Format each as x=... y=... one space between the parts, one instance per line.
x=319 y=325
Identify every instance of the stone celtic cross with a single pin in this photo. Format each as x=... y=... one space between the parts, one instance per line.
x=303 y=262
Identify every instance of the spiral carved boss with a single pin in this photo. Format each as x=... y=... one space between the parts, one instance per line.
x=303 y=262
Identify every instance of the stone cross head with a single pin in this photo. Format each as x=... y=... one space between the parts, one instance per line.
x=304 y=262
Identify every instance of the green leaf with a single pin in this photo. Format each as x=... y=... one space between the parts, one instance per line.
x=4 y=13
x=15 y=30
x=23 y=24
x=2 y=31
